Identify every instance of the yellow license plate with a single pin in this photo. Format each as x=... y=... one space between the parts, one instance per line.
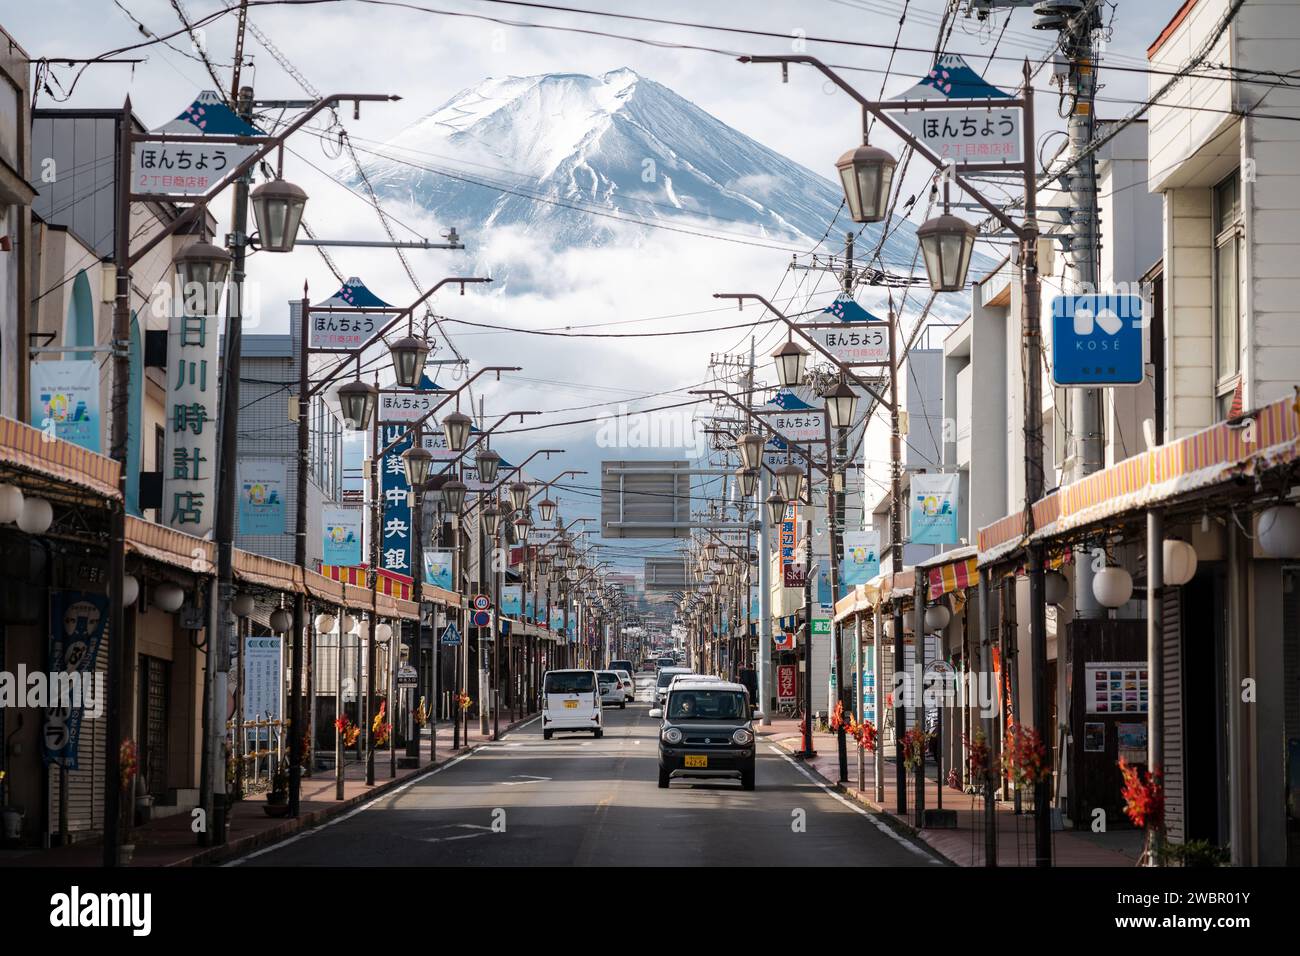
x=696 y=760
x=571 y=705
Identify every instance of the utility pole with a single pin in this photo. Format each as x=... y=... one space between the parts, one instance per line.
x=835 y=518
x=895 y=566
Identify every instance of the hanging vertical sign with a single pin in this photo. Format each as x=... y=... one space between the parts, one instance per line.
x=861 y=558
x=65 y=400
x=78 y=621
x=790 y=568
x=512 y=600
x=262 y=684
x=189 y=473
x=934 y=508
x=437 y=568
x=395 y=528
x=261 y=496
x=341 y=530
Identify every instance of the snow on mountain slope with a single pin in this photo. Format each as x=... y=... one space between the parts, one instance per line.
x=575 y=159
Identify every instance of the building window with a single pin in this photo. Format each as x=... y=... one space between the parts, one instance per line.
x=1227 y=289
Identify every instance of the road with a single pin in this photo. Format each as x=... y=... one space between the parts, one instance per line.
x=575 y=801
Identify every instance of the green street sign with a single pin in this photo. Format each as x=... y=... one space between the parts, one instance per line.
x=821 y=625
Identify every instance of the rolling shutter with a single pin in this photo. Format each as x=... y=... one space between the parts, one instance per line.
x=1172 y=670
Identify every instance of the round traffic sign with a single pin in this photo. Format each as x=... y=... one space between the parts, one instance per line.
x=482 y=602
x=482 y=619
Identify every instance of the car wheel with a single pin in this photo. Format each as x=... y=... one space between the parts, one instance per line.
x=623 y=706
x=747 y=779
x=599 y=734
x=546 y=734
x=663 y=779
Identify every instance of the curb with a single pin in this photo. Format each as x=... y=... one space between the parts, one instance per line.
x=307 y=821
x=890 y=820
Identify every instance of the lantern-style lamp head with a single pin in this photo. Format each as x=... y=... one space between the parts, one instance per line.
x=417 y=461
x=202 y=268
x=546 y=510
x=750 y=446
x=866 y=174
x=775 y=508
x=456 y=427
x=747 y=479
x=518 y=495
x=491 y=520
x=841 y=403
x=788 y=477
x=946 y=242
x=409 y=354
x=453 y=495
x=790 y=359
x=277 y=211
x=488 y=463
x=357 y=402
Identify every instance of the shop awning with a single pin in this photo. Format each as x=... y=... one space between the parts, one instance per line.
x=865 y=598
x=168 y=546
x=950 y=571
x=32 y=450
x=1257 y=442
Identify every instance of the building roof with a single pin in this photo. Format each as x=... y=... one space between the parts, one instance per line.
x=1170 y=27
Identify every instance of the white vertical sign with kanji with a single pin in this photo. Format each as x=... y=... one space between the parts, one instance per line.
x=189 y=475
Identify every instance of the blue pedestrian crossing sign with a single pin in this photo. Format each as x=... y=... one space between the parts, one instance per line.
x=1097 y=340
x=451 y=636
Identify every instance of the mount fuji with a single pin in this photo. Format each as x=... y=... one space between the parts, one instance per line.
x=583 y=161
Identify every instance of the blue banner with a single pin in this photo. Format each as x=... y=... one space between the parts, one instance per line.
x=341 y=536
x=395 y=529
x=861 y=560
x=512 y=598
x=78 y=621
x=261 y=496
x=437 y=568
x=934 y=509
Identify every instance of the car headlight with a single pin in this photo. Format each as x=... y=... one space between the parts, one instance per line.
x=742 y=737
x=672 y=736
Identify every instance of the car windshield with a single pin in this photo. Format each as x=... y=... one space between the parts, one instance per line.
x=571 y=682
x=706 y=705
x=665 y=678
x=622 y=666
x=608 y=677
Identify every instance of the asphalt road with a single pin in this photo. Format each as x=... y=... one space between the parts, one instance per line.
x=576 y=801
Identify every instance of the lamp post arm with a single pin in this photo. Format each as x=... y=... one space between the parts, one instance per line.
x=803 y=334
x=355 y=356
x=268 y=145
x=881 y=114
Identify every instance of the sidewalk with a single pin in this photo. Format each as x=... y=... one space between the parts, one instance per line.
x=170 y=842
x=964 y=845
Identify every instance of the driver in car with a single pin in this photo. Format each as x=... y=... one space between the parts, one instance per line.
x=687 y=707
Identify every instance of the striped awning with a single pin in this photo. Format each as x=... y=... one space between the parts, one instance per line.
x=30 y=449
x=954 y=576
x=1259 y=440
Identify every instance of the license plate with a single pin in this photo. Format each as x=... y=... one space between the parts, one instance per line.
x=571 y=705
x=697 y=760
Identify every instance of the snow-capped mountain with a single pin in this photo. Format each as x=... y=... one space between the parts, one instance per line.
x=576 y=160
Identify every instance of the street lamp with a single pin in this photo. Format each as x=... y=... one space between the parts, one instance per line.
x=456 y=427
x=747 y=478
x=491 y=520
x=202 y=269
x=946 y=242
x=841 y=403
x=453 y=495
x=409 y=354
x=277 y=211
x=788 y=477
x=790 y=361
x=488 y=463
x=357 y=401
x=518 y=495
x=751 y=449
x=416 y=461
x=866 y=173
x=546 y=510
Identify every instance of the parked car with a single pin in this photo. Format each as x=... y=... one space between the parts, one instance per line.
x=611 y=688
x=571 y=701
x=706 y=732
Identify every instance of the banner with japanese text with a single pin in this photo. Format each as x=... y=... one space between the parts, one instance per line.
x=934 y=508
x=65 y=400
x=341 y=531
x=395 y=526
x=261 y=496
x=861 y=558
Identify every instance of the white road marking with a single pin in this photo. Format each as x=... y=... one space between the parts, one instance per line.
x=352 y=813
x=464 y=836
x=856 y=808
x=521 y=778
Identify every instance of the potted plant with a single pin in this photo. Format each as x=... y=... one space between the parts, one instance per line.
x=128 y=762
x=277 y=801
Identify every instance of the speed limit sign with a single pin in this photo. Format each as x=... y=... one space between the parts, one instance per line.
x=482 y=602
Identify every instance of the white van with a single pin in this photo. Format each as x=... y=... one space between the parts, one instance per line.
x=571 y=701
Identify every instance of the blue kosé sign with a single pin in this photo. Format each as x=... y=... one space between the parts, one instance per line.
x=1097 y=340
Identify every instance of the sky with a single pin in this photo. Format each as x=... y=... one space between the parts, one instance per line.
x=427 y=57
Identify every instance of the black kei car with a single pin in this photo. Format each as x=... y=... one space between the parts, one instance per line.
x=706 y=732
